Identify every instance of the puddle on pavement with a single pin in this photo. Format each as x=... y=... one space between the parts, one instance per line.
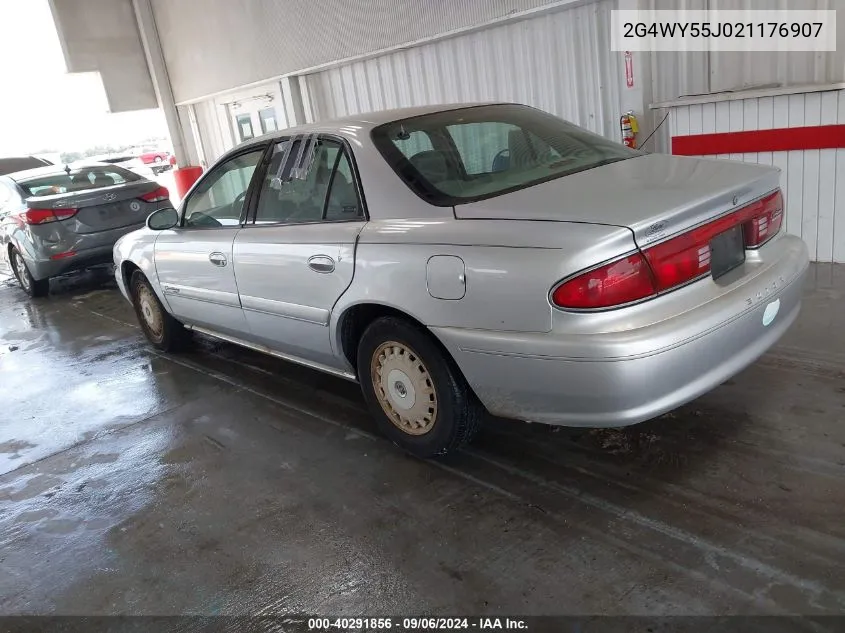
x=15 y=446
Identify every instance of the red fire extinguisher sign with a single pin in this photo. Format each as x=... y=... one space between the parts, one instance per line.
x=629 y=69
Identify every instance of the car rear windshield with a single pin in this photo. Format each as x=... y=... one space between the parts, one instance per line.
x=79 y=179
x=469 y=154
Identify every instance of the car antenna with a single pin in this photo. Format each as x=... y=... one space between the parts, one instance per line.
x=67 y=169
x=402 y=134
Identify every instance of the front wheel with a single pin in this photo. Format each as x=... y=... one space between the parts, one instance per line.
x=31 y=286
x=414 y=389
x=160 y=328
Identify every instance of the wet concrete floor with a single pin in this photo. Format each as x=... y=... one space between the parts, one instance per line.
x=225 y=481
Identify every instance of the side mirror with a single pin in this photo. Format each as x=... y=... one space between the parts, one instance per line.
x=163 y=219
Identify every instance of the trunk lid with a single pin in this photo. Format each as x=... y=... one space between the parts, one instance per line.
x=102 y=209
x=655 y=195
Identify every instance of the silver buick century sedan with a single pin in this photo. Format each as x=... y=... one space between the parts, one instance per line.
x=459 y=259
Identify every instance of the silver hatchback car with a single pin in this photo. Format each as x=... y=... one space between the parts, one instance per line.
x=457 y=259
x=57 y=219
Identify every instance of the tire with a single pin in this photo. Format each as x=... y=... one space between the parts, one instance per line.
x=159 y=159
x=31 y=286
x=161 y=329
x=442 y=415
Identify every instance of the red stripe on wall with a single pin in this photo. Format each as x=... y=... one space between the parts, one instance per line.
x=779 y=140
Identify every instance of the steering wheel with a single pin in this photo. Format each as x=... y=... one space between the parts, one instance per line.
x=238 y=202
x=198 y=218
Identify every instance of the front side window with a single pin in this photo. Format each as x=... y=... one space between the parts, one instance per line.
x=80 y=179
x=308 y=180
x=218 y=199
x=485 y=151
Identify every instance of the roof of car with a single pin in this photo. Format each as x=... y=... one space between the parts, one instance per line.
x=372 y=119
x=26 y=174
x=367 y=120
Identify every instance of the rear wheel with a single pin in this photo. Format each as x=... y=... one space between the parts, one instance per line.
x=31 y=286
x=414 y=390
x=160 y=328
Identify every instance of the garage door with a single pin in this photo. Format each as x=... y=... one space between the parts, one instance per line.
x=560 y=62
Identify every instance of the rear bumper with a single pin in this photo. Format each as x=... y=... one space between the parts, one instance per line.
x=621 y=378
x=93 y=249
x=46 y=268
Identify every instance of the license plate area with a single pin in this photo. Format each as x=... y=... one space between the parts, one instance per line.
x=727 y=251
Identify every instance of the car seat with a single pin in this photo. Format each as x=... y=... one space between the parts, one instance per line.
x=432 y=165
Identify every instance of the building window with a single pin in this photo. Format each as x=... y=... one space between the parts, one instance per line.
x=268 y=120
x=245 y=130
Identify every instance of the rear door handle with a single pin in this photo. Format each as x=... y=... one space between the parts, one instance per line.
x=218 y=259
x=321 y=264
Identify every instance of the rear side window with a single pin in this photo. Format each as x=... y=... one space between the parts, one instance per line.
x=309 y=179
x=469 y=154
x=79 y=179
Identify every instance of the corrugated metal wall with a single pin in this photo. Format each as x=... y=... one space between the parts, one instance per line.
x=813 y=181
x=560 y=62
x=679 y=74
x=216 y=45
x=735 y=71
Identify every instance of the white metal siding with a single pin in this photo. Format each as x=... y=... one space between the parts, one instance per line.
x=559 y=62
x=678 y=74
x=217 y=45
x=208 y=122
x=813 y=181
x=735 y=71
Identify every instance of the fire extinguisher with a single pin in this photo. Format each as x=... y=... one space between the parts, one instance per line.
x=630 y=127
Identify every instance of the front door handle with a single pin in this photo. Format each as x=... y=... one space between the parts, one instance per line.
x=218 y=259
x=321 y=264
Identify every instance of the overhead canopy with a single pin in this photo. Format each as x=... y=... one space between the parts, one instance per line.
x=102 y=36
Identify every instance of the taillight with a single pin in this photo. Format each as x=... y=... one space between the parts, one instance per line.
x=670 y=264
x=766 y=218
x=158 y=195
x=686 y=257
x=623 y=281
x=43 y=216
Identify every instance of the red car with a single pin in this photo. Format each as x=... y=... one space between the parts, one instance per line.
x=154 y=157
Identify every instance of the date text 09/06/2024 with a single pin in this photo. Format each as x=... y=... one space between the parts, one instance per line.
x=416 y=624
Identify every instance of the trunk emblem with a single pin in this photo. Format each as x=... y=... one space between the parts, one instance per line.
x=656 y=229
x=109 y=197
x=135 y=206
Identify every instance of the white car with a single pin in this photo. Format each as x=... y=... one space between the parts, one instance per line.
x=457 y=259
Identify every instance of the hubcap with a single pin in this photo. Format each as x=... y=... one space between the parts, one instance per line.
x=150 y=311
x=404 y=388
x=20 y=267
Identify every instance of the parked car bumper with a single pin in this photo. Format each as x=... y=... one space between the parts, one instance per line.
x=46 y=268
x=90 y=250
x=583 y=380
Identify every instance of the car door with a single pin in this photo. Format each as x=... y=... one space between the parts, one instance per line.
x=296 y=255
x=194 y=260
